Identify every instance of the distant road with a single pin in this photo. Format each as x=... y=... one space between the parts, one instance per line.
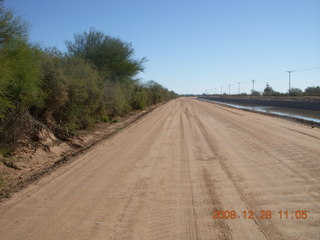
x=169 y=174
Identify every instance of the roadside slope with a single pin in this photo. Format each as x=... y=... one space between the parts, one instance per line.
x=162 y=177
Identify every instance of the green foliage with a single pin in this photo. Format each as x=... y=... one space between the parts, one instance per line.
x=295 y=92
x=114 y=100
x=20 y=81
x=268 y=91
x=94 y=81
x=84 y=94
x=114 y=120
x=157 y=93
x=312 y=91
x=20 y=84
x=11 y=27
x=5 y=103
x=139 y=98
x=255 y=93
x=54 y=83
x=112 y=57
x=105 y=118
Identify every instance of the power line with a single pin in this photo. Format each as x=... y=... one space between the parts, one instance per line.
x=273 y=77
x=270 y=78
x=307 y=69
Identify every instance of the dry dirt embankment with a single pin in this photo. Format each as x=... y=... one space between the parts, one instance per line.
x=165 y=175
x=31 y=161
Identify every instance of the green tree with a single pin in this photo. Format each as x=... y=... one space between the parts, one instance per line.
x=112 y=57
x=21 y=74
x=268 y=91
x=312 y=91
x=21 y=91
x=11 y=29
x=295 y=92
x=11 y=26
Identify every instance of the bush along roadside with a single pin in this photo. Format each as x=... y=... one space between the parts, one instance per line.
x=48 y=90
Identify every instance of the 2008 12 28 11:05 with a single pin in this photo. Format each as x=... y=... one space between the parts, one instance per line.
x=262 y=214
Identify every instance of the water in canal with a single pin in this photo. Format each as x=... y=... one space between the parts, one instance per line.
x=310 y=115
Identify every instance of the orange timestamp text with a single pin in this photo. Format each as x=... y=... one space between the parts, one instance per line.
x=262 y=214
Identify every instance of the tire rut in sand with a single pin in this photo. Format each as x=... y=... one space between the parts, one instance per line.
x=225 y=232
x=220 y=158
x=266 y=227
x=162 y=219
x=206 y=198
x=188 y=211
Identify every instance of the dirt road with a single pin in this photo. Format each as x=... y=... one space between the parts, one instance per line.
x=164 y=176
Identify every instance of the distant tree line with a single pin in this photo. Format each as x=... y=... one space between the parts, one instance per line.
x=268 y=91
x=95 y=80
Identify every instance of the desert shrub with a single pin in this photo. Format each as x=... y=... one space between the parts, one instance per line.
x=11 y=29
x=139 y=98
x=20 y=91
x=83 y=106
x=20 y=74
x=114 y=100
x=105 y=118
x=54 y=83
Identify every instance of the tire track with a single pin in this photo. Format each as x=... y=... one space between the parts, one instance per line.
x=162 y=177
x=190 y=218
x=221 y=160
x=271 y=228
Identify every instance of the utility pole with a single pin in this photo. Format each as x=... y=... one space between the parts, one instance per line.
x=239 y=88
x=253 y=84
x=289 y=80
x=229 y=88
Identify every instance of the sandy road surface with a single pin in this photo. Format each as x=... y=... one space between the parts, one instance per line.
x=162 y=177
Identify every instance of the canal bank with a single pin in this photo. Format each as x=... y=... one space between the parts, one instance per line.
x=305 y=110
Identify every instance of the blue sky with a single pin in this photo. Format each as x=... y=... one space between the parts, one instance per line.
x=193 y=46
